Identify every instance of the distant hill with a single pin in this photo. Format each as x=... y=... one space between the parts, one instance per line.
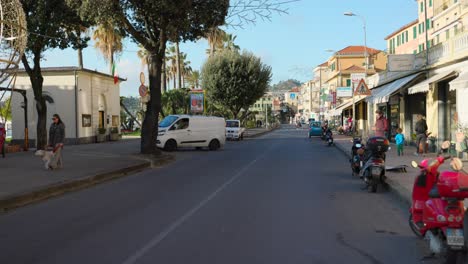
x=285 y=85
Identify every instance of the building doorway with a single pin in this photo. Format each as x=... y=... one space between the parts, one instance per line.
x=447 y=108
x=101 y=119
x=414 y=104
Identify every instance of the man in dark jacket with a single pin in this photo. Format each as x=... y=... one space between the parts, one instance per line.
x=421 y=134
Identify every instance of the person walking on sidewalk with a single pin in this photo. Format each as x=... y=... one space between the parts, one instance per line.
x=421 y=135
x=400 y=141
x=56 y=140
x=381 y=124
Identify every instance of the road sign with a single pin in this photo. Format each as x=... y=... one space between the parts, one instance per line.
x=143 y=90
x=357 y=77
x=362 y=89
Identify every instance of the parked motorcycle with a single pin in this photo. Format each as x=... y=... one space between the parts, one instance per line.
x=437 y=212
x=357 y=156
x=373 y=171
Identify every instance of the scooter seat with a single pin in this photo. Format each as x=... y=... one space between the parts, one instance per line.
x=434 y=193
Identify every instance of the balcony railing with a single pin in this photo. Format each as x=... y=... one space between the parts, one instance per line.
x=450 y=50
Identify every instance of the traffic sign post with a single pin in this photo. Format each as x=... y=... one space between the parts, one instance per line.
x=361 y=89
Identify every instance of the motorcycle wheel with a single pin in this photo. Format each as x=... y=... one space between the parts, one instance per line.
x=372 y=187
x=413 y=227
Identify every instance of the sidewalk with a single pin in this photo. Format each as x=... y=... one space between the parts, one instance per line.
x=23 y=178
x=400 y=182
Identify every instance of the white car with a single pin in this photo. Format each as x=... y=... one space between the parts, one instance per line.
x=234 y=130
x=180 y=131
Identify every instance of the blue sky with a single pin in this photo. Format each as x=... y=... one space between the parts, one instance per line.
x=292 y=44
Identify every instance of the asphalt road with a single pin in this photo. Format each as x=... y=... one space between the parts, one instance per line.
x=281 y=198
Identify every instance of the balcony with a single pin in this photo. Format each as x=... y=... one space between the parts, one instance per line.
x=448 y=4
x=450 y=50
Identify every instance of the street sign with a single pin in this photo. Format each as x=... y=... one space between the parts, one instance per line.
x=143 y=90
x=362 y=89
x=357 y=77
x=344 y=91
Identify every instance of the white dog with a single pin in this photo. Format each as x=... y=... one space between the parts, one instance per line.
x=46 y=157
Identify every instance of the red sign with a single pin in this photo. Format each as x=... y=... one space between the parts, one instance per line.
x=143 y=90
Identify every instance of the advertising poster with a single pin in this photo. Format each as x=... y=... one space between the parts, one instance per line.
x=197 y=102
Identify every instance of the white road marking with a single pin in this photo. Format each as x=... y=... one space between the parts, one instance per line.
x=161 y=236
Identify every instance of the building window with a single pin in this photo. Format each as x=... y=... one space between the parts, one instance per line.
x=428 y=24
x=422 y=6
x=415 y=51
x=430 y=3
x=398 y=40
x=422 y=27
x=407 y=39
x=438 y=39
x=348 y=82
x=447 y=34
x=415 y=32
x=455 y=30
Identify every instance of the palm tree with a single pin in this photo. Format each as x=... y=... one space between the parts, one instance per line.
x=185 y=67
x=179 y=70
x=229 y=42
x=173 y=68
x=215 y=37
x=108 y=41
x=142 y=55
x=194 y=79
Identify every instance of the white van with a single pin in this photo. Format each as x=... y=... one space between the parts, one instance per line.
x=180 y=131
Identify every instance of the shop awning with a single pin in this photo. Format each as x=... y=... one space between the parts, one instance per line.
x=382 y=94
x=460 y=82
x=423 y=87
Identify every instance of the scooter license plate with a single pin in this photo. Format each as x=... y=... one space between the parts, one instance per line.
x=376 y=171
x=455 y=237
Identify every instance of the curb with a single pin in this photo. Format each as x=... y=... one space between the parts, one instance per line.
x=395 y=187
x=19 y=200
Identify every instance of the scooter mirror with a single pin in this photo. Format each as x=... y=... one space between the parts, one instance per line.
x=457 y=164
x=445 y=145
x=414 y=164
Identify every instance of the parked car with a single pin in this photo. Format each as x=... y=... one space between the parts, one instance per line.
x=234 y=130
x=315 y=129
x=181 y=131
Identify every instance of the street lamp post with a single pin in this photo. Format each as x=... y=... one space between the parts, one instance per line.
x=366 y=55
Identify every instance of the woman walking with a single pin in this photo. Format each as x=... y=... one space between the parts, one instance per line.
x=56 y=140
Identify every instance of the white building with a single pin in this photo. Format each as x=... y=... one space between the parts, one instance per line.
x=86 y=101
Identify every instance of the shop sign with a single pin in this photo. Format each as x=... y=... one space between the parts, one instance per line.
x=344 y=92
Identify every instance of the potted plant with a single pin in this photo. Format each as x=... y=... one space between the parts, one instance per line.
x=114 y=134
x=101 y=136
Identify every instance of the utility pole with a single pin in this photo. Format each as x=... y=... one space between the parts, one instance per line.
x=427 y=34
x=366 y=55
